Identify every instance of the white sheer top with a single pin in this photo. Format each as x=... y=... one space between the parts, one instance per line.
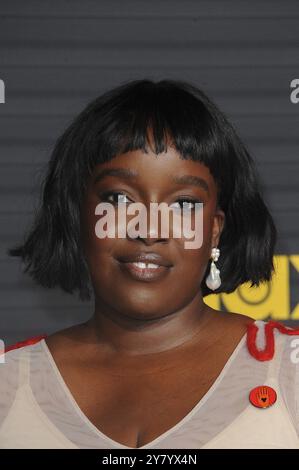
x=38 y=411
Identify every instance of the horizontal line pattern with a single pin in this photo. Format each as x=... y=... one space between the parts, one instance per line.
x=160 y=58
x=55 y=56
x=198 y=33
x=253 y=129
x=232 y=9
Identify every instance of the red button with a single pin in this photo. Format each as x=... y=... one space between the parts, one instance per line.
x=263 y=396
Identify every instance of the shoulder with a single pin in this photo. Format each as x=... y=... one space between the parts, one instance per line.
x=11 y=354
x=24 y=343
x=287 y=354
x=229 y=322
x=12 y=375
x=64 y=344
x=278 y=344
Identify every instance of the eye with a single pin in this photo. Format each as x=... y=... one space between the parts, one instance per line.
x=120 y=197
x=186 y=204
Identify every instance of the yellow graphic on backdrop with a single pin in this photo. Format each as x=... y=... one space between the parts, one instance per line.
x=269 y=300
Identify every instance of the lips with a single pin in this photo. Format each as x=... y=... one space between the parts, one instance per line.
x=145 y=266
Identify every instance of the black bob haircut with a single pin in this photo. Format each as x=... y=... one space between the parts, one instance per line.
x=117 y=122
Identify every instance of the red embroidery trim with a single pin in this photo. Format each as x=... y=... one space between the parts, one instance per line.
x=26 y=342
x=267 y=353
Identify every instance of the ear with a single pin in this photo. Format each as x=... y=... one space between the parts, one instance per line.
x=218 y=225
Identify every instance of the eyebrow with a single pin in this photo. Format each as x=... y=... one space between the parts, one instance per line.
x=193 y=181
x=126 y=173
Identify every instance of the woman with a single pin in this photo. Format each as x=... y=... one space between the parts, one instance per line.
x=154 y=366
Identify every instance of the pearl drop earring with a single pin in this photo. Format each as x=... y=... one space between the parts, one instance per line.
x=213 y=280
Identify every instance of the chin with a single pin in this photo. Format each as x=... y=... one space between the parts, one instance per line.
x=143 y=310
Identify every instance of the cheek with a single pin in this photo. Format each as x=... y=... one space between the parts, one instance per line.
x=194 y=260
x=99 y=256
x=98 y=252
x=92 y=231
x=190 y=271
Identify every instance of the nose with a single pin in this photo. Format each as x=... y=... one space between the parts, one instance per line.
x=151 y=239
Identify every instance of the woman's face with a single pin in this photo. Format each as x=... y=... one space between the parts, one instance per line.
x=178 y=283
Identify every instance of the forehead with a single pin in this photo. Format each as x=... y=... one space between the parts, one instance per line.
x=148 y=168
